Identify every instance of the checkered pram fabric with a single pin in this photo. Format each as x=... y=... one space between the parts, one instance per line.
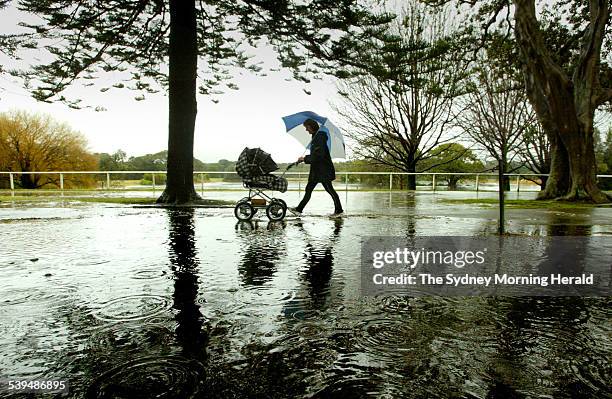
x=254 y=162
x=270 y=182
x=254 y=166
x=242 y=166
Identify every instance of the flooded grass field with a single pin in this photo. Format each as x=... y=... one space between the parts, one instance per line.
x=127 y=302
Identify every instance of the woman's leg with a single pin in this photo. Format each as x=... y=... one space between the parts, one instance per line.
x=307 y=193
x=330 y=190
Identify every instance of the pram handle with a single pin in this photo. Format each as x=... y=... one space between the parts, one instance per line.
x=291 y=165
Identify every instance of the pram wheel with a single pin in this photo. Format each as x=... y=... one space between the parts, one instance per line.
x=276 y=210
x=244 y=211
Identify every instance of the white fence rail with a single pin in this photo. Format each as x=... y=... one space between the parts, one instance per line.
x=300 y=176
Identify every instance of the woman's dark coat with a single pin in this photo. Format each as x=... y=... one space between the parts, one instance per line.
x=321 y=166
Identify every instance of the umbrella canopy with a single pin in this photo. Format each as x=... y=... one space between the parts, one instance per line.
x=295 y=128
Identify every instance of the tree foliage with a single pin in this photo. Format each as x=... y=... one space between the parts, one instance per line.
x=603 y=152
x=495 y=116
x=535 y=153
x=453 y=158
x=399 y=107
x=37 y=143
x=128 y=40
x=147 y=44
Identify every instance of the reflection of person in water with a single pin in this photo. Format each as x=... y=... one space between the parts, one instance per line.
x=316 y=277
x=184 y=261
x=320 y=260
x=262 y=251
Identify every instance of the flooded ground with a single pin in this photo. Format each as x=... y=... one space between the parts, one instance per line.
x=137 y=303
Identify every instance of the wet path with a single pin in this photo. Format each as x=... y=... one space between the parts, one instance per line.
x=134 y=302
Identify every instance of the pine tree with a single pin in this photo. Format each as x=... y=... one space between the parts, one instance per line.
x=186 y=46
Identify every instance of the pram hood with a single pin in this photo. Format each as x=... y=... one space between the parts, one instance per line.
x=254 y=162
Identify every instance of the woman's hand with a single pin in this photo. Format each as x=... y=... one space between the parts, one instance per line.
x=300 y=159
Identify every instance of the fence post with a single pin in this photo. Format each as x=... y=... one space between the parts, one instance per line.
x=390 y=181
x=202 y=182
x=518 y=183
x=12 y=182
x=107 y=181
x=299 y=184
x=477 y=185
x=62 y=181
x=346 y=182
x=433 y=181
x=153 y=180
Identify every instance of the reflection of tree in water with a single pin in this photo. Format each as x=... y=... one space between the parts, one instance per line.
x=184 y=264
x=262 y=251
x=558 y=225
x=156 y=370
x=545 y=330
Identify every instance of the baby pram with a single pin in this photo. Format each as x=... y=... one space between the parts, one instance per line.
x=254 y=167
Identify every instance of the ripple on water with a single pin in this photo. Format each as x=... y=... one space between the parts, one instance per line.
x=311 y=330
x=148 y=274
x=150 y=377
x=37 y=296
x=345 y=385
x=396 y=304
x=384 y=338
x=132 y=307
x=264 y=296
x=91 y=262
x=298 y=313
x=594 y=375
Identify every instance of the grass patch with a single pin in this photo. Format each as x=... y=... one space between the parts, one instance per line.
x=525 y=203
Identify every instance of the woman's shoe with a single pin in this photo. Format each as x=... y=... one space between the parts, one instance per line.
x=294 y=211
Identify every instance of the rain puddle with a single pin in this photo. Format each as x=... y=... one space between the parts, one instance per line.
x=142 y=303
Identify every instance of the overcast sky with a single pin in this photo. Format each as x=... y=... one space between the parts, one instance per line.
x=250 y=116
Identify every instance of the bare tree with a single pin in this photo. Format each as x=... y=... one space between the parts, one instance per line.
x=535 y=153
x=400 y=110
x=495 y=117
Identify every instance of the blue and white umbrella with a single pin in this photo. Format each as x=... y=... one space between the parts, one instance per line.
x=295 y=127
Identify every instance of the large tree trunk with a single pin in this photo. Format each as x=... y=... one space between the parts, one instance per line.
x=558 y=182
x=183 y=53
x=564 y=106
x=583 y=166
x=411 y=181
x=26 y=181
x=542 y=184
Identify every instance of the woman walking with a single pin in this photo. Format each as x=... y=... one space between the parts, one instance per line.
x=321 y=169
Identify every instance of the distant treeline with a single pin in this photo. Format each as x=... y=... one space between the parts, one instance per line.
x=119 y=161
